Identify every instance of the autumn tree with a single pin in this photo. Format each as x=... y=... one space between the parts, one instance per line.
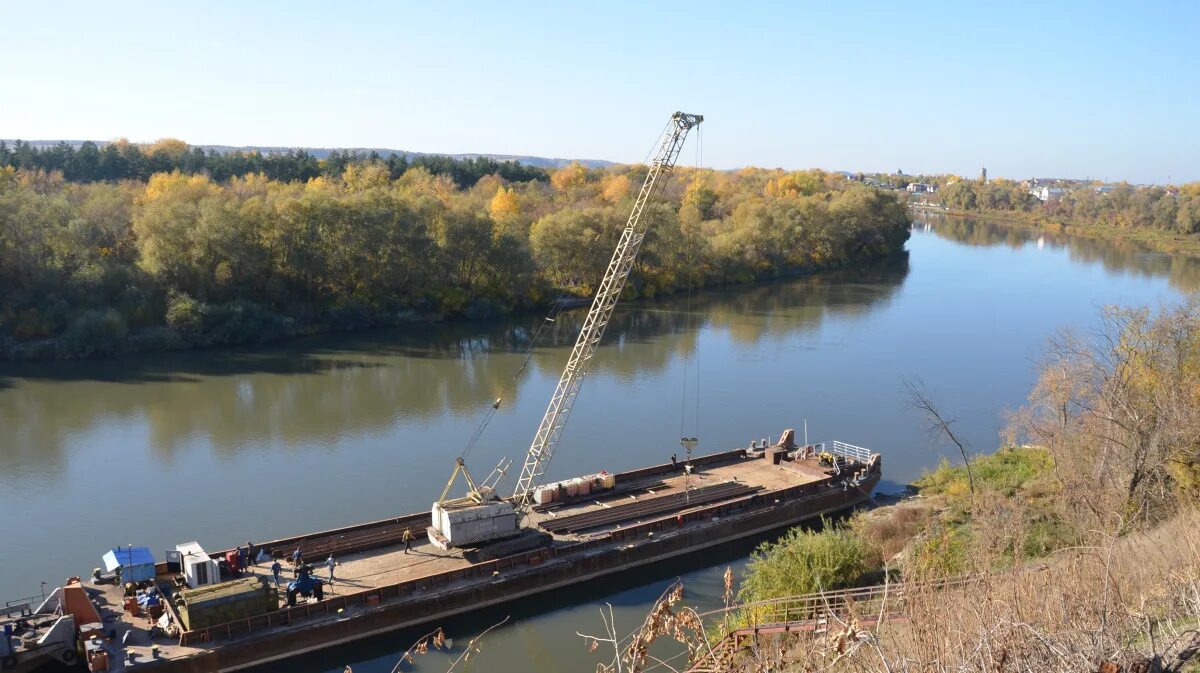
x=505 y=204
x=569 y=177
x=1119 y=412
x=613 y=188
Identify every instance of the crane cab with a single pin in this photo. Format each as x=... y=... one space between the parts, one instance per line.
x=462 y=522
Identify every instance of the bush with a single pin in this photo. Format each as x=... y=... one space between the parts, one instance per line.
x=805 y=561
x=243 y=322
x=185 y=315
x=944 y=551
x=93 y=333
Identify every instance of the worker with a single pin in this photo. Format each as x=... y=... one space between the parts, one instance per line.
x=674 y=462
x=330 y=563
x=248 y=557
x=275 y=569
x=296 y=557
x=407 y=538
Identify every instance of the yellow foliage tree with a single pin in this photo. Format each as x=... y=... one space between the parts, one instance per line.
x=614 y=188
x=800 y=183
x=505 y=204
x=361 y=177
x=171 y=147
x=571 y=176
x=250 y=184
x=419 y=181
x=178 y=186
x=319 y=184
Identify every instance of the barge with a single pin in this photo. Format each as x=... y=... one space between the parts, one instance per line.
x=648 y=515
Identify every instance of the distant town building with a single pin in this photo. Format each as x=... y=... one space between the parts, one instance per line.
x=919 y=187
x=983 y=175
x=1048 y=193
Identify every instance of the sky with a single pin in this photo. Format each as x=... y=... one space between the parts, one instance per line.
x=1064 y=89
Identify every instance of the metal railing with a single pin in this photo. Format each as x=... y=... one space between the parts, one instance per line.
x=819 y=605
x=22 y=606
x=845 y=450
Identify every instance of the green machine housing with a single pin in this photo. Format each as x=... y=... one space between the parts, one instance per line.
x=226 y=602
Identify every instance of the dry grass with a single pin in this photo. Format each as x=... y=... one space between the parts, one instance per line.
x=1133 y=598
x=889 y=529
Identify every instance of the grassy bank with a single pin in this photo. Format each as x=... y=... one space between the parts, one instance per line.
x=942 y=530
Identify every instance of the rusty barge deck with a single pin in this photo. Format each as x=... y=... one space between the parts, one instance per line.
x=652 y=514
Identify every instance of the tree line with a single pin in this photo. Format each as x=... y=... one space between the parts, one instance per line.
x=1167 y=209
x=183 y=259
x=123 y=160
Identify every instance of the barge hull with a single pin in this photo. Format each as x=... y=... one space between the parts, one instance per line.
x=765 y=492
x=451 y=603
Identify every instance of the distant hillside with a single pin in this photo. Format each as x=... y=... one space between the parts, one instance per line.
x=323 y=152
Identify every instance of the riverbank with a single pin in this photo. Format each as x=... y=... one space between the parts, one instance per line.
x=246 y=323
x=1128 y=600
x=995 y=563
x=1107 y=497
x=1160 y=241
x=937 y=528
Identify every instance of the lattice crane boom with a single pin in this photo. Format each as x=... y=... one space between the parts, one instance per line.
x=563 y=400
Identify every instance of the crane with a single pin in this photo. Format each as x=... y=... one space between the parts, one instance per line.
x=481 y=516
x=563 y=400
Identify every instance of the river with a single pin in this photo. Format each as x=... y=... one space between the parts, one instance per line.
x=225 y=446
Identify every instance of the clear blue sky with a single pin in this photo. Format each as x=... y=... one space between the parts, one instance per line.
x=1072 y=89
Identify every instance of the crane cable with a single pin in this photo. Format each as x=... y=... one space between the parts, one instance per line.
x=690 y=326
x=696 y=348
x=551 y=317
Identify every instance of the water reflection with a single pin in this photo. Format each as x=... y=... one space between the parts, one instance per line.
x=1115 y=255
x=319 y=389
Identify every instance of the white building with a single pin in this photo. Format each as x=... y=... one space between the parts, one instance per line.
x=1048 y=193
